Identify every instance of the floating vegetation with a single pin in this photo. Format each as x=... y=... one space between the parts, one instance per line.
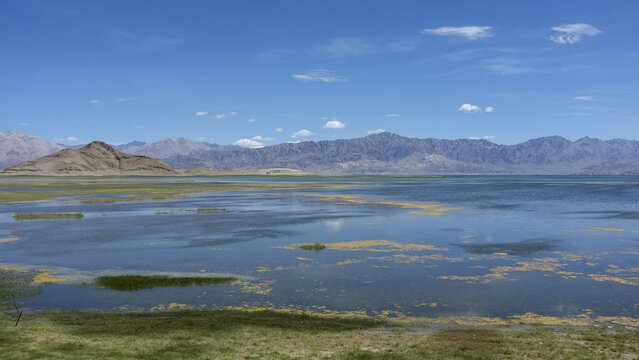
x=371 y=245
x=522 y=248
x=139 y=282
x=47 y=216
x=420 y=208
x=198 y=210
x=315 y=246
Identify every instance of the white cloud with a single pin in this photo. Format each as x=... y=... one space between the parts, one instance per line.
x=489 y=109
x=249 y=143
x=94 y=101
x=392 y=115
x=252 y=120
x=279 y=129
x=485 y=137
x=219 y=116
x=322 y=75
x=262 y=138
x=201 y=138
x=583 y=98
x=72 y=138
x=376 y=131
x=334 y=124
x=201 y=113
x=469 y=108
x=121 y=99
x=468 y=32
x=301 y=133
x=233 y=113
x=572 y=33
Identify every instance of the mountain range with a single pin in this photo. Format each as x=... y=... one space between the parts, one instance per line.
x=392 y=154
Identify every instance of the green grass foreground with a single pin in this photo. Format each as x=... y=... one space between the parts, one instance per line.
x=46 y=216
x=316 y=246
x=139 y=282
x=231 y=334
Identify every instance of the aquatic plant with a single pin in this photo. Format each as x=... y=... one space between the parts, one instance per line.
x=139 y=282
x=315 y=246
x=45 y=216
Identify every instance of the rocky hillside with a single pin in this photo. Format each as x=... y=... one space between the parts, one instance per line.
x=388 y=153
x=96 y=158
x=171 y=147
x=16 y=147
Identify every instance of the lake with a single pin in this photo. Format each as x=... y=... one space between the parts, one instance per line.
x=493 y=246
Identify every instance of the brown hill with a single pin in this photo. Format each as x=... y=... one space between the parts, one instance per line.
x=95 y=159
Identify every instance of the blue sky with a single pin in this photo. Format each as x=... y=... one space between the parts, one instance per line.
x=264 y=72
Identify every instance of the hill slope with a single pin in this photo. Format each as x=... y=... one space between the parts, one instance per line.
x=96 y=158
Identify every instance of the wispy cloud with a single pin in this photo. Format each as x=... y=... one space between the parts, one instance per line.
x=279 y=129
x=508 y=66
x=201 y=113
x=334 y=124
x=322 y=75
x=346 y=46
x=392 y=115
x=583 y=98
x=140 y=43
x=219 y=116
x=94 y=101
x=376 y=131
x=572 y=33
x=489 y=109
x=121 y=99
x=467 y=32
x=350 y=46
x=72 y=138
x=252 y=120
x=274 y=55
x=301 y=133
x=469 y=108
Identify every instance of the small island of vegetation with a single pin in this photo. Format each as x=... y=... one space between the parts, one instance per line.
x=47 y=216
x=139 y=282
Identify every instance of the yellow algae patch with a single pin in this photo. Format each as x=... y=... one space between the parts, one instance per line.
x=379 y=245
x=252 y=287
x=47 y=276
x=423 y=209
x=14 y=268
x=172 y=306
x=609 y=229
x=9 y=239
x=263 y=269
x=502 y=272
x=500 y=254
x=349 y=262
x=631 y=252
x=601 y=277
x=304 y=259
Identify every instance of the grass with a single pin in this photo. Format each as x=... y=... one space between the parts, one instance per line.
x=41 y=216
x=139 y=282
x=315 y=246
x=230 y=334
x=127 y=189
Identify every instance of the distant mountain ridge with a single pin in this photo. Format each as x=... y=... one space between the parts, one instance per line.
x=17 y=147
x=388 y=154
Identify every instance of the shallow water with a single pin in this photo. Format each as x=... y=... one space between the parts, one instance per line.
x=423 y=246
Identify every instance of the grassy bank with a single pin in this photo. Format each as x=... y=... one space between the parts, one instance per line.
x=230 y=334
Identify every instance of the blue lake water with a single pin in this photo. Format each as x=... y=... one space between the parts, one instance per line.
x=419 y=246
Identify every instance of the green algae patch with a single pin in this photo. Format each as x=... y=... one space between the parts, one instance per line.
x=47 y=216
x=198 y=210
x=315 y=246
x=139 y=282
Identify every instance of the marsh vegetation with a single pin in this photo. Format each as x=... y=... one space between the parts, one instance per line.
x=139 y=282
x=314 y=246
x=48 y=216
